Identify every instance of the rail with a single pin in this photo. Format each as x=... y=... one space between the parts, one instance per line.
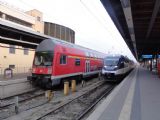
x=83 y=114
x=76 y=99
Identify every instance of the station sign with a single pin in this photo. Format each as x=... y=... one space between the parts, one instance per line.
x=147 y=56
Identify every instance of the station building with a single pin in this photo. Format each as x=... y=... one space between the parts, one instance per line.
x=59 y=31
x=17 y=57
x=30 y=20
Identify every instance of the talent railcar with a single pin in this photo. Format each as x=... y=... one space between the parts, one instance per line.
x=56 y=61
x=116 y=67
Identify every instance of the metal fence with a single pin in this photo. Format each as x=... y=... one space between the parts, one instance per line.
x=17 y=70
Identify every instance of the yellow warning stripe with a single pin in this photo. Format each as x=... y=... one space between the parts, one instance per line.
x=83 y=57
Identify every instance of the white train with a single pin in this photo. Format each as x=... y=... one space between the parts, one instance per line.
x=116 y=67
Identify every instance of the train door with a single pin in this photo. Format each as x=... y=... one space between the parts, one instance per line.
x=87 y=66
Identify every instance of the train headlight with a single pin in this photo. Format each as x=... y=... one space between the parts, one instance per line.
x=115 y=67
x=104 y=67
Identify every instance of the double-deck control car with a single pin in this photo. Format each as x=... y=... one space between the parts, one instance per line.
x=56 y=61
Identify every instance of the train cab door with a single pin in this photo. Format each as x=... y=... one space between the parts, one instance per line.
x=87 y=66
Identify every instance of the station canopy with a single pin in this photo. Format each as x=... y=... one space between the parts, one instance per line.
x=138 y=21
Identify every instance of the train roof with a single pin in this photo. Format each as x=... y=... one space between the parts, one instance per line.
x=116 y=56
x=48 y=44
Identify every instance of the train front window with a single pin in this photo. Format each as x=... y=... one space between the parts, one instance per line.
x=43 y=58
x=111 y=62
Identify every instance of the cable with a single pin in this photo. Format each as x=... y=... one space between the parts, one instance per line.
x=33 y=7
x=104 y=25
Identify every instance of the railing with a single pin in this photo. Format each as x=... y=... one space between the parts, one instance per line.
x=16 y=70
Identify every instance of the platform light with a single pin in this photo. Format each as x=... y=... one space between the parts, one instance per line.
x=149 y=62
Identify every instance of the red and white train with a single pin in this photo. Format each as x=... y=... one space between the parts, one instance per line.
x=56 y=61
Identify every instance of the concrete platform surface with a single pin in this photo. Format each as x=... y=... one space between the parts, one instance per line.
x=137 y=97
x=15 y=76
x=13 y=87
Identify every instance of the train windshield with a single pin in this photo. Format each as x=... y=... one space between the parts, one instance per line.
x=111 y=62
x=43 y=58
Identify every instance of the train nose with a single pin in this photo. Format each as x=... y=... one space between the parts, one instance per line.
x=42 y=70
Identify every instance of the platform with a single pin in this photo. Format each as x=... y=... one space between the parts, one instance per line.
x=15 y=76
x=14 y=86
x=137 y=97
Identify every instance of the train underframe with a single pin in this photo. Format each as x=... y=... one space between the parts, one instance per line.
x=112 y=77
x=115 y=77
x=45 y=81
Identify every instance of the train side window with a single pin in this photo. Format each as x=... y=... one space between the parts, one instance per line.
x=63 y=59
x=77 y=62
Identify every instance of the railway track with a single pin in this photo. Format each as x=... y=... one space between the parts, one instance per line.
x=7 y=108
x=77 y=108
x=22 y=98
x=8 y=104
x=89 y=109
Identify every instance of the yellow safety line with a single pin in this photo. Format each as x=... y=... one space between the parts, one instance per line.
x=83 y=57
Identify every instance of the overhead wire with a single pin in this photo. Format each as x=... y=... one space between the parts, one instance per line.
x=31 y=6
x=99 y=21
x=86 y=7
x=104 y=25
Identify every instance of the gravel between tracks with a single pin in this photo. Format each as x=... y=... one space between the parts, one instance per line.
x=38 y=103
x=75 y=108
